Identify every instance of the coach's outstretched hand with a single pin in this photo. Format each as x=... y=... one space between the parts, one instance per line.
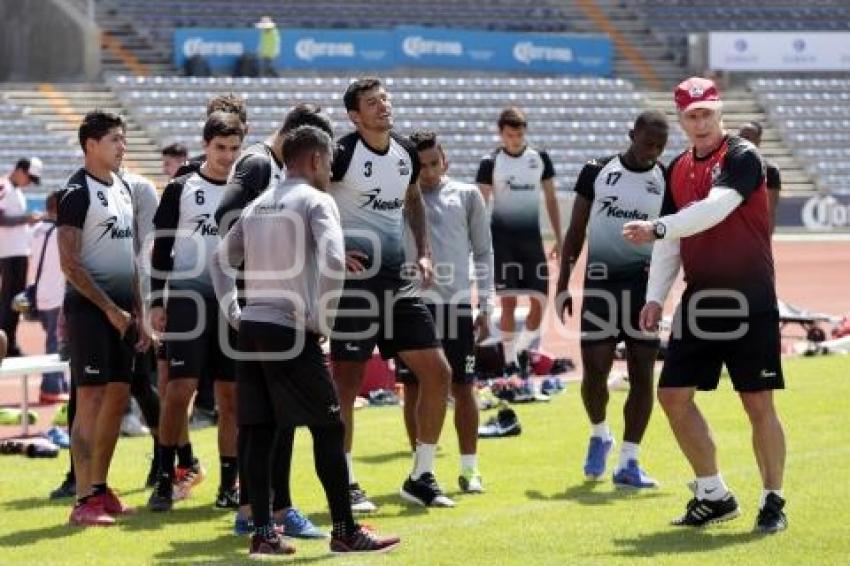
x=638 y=232
x=650 y=316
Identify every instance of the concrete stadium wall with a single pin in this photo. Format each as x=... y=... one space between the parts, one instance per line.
x=47 y=40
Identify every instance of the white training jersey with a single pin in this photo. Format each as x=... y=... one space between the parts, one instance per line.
x=517 y=182
x=186 y=212
x=103 y=210
x=619 y=195
x=369 y=187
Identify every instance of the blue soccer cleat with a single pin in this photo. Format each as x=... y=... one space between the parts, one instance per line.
x=597 y=454
x=296 y=524
x=633 y=477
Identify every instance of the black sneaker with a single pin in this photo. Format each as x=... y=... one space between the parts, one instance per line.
x=359 y=501
x=702 y=512
x=771 y=518
x=162 y=498
x=425 y=491
x=227 y=498
x=68 y=488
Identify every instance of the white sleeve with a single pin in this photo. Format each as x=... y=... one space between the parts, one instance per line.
x=702 y=215
x=663 y=270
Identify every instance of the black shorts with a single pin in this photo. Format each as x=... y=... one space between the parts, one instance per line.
x=752 y=359
x=390 y=318
x=610 y=311
x=98 y=354
x=519 y=264
x=200 y=356
x=295 y=391
x=456 y=333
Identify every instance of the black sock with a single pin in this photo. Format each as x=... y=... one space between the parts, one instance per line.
x=281 y=465
x=156 y=454
x=229 y=470
x=329 y=457
x=166 y=459
x=185 y=458
x=259 y=439
x=98 y=488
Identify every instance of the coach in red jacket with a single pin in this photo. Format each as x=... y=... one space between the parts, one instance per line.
x=716 y=226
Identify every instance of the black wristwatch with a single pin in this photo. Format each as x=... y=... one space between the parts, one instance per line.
x=659 y=230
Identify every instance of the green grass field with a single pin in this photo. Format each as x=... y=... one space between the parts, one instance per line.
x=537 y=509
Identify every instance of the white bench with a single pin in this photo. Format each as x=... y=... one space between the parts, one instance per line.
x=24 y=366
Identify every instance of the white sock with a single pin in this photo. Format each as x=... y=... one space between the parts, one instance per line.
x=509 y=346
x=628 y=451
x=468 y=462
x=529 y=340
x=600 y=430
x=712 y=488
x=350 y=465
x=765 y=493
x=424 y=460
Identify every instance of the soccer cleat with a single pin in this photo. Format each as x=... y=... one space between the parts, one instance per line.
x=597 y=453
x=113 y=505
x=68 y=488
x=242 y=524
x=185 y=479
x=505 y=423
x=359 y=501
x=227 y=498
x=470 y=481
x=296 y=524
x=425 y=491
x=771 y=518
x=58 y=437
x=262 y=547
x=162 y=497
x=90 y=514
x=131 y=425
x=633 y=477
x=361 y=541
x=702 y=512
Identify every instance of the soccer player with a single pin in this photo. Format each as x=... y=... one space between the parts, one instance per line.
x=284 y=380
x=716 y=225
x=173 y=157
x=458 y=227
x=15 y=236
x=513 y=177
x=102 y=308
x=375 y=174
x=751 y=131
x=258 y=168
x=186 y=236
x=609 y=192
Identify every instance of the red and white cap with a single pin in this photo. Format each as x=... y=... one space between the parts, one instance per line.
x=697 y=92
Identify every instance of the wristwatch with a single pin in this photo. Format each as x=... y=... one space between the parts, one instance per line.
x=659 y=230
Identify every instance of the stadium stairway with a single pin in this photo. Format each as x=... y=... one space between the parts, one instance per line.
x=61 y=108
x=124 y=47
x=741 y=106
x=639 y=56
